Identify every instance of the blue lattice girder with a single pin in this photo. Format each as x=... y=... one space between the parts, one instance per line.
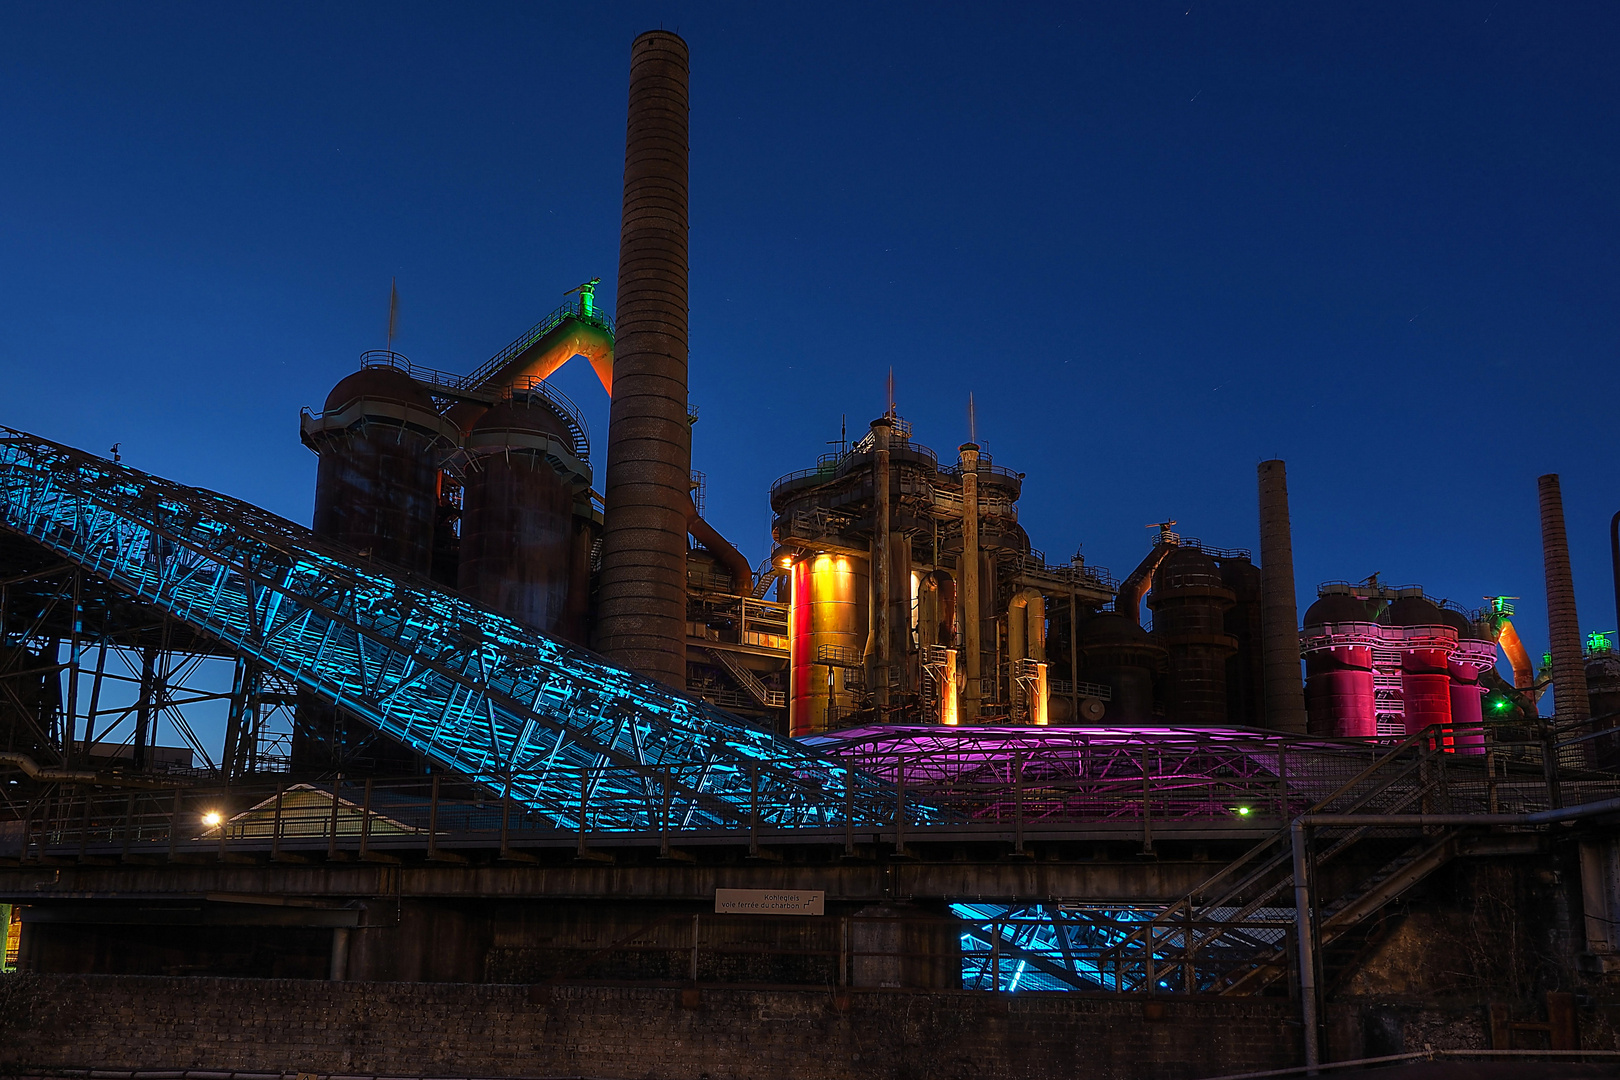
x=477 y=693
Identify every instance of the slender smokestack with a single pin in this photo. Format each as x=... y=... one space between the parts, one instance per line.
x=1563 y=628
x=968 y=595
x=881 y=640
x=1279 y=611
x=641 y=603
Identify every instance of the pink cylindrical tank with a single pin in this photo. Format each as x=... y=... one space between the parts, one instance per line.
x=1338 y=639
x=1476 y=651
x=1426 y=645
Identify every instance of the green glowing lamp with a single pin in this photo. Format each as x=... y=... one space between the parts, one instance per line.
x=1242 y=811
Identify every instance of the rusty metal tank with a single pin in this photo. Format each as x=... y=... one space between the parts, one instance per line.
x=1245 y=669
x=828 y=624
x=1117 y=652
x=1426 y=643
x=381 y=443
x=1603 y=692
x=1340 y=698
x=525 y=472
x=1189 y=603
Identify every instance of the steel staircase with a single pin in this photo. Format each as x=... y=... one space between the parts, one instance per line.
x=1231 y=934
x=770 y=699
x=522 y=714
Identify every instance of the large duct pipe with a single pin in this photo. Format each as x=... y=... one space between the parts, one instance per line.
x=1279 y=610
x=1128 y=601
x=641 y=601
x=742 y=574
x=968 y=594
x=1563 y=627
x=1026 y=640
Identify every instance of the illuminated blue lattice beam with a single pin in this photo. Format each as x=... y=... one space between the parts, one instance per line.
x=521 y=713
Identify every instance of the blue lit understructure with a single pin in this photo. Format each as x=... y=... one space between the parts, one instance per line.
x=551 y=727
x=1010 y=947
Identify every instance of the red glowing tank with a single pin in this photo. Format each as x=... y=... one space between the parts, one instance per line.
x=1418 y=627
x=1340 y=631
x=1475 y=652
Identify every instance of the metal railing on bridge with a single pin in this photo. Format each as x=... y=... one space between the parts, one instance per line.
x=1093 y=784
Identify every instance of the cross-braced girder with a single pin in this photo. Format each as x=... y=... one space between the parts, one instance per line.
x=470 y=690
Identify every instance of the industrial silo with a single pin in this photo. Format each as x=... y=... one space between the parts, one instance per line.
x=828 y=624
x=1475 y=652
x=381 y=443
x=1340 y=633
x=525 y=472
x=1189 y=603
x=1117 y=652
x=1426 y=643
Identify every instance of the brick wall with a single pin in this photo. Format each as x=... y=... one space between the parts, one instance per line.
x=444 y=1029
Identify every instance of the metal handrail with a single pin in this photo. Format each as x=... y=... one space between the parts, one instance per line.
x=1215 y=552
x=984 y=467
x=431 y=378
x=534 y=334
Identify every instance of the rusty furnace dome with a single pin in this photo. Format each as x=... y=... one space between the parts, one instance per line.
x=384 y=384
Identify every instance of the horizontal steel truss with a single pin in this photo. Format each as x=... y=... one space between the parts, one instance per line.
x=470 y=690
x=1214 y=931
x=1102 y=947
x=1168 y=776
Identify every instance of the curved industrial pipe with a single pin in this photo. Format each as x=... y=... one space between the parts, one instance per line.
x=742 y=574
x=1128 y=601
x=570 y=338
x=1026 y=626
x=1524 y=673
x=35 y=771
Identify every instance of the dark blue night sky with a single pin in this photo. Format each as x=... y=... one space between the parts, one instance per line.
x=1156 y=242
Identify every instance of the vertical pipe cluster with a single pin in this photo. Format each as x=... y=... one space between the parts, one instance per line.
x=972 y=694
x=1563 y=628
x=1279 y=618
x=641 y=604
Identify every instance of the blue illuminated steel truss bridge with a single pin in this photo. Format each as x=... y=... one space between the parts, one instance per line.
x=520 y=714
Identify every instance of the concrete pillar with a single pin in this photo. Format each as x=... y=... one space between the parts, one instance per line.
x=1563 y=627
x=641 y=605
x=1279 y=609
